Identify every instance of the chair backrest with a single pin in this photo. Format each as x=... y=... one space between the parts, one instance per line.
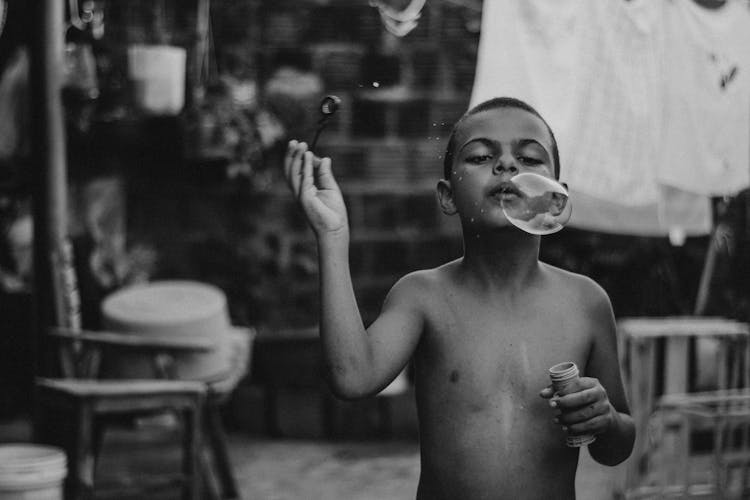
x=67 y=296
x=74 y=360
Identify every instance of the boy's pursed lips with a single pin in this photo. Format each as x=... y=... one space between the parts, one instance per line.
x=505 y=189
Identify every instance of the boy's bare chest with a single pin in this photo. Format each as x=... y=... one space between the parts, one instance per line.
x=480 y=352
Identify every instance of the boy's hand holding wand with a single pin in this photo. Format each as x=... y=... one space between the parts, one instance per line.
x=312 y=183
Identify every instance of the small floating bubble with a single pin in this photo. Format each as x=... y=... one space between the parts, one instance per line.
x=376 y=84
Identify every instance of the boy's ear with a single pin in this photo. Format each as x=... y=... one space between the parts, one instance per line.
x=445 y=197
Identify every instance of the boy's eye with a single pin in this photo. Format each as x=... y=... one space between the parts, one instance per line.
x=527 y=160
x=477 y=159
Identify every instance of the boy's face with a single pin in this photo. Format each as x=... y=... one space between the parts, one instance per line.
x=490 y=148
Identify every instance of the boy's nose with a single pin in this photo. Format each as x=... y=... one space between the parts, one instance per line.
x=505 y=165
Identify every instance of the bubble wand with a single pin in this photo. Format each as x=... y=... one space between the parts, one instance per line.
x=328 y=107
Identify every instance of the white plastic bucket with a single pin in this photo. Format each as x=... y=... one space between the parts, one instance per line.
x=158 y=76
x=170 y=308
x=31 y=472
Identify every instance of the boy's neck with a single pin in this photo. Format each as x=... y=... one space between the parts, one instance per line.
x=502 y=257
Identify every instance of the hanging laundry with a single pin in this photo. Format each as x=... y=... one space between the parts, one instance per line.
x=706 y=96
x=592 y=69
x=588 y=67
x=612 y=148
x=674 y=209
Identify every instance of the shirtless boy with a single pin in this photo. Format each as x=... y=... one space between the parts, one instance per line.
x=482 y=330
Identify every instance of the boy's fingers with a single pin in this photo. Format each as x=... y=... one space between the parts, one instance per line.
x=326 y=180
x=295 y=174
x=593 y=410
x=578 y=399
x=293 y=178
x=587 y=382
x=307 y=173
x=547 y=392
x=289 y=159
x=587 y=427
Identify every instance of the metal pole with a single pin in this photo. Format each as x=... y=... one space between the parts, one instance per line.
x=201 y=58
x=49 y=163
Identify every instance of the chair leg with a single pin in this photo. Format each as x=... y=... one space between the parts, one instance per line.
x=80 y=484
x=211 y=488
x=191 y=438
x=218 y=441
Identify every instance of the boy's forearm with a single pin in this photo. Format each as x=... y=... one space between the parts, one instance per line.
x=615 y=445
x=345 y=347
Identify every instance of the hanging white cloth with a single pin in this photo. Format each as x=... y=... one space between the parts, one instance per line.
x=675 y=210
x=592 y=69
x=586 y=65
x=706 y=95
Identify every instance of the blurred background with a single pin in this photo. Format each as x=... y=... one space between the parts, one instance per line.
x=174 y=117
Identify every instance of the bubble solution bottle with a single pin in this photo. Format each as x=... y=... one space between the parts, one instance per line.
x=563 y=376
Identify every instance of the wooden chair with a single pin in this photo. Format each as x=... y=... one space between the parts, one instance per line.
x=686 y=375
x=660 y=376
x=725 y=472
x=90 y=403
x=72 y=411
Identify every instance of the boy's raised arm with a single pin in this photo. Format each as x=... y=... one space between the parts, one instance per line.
x=358 y=362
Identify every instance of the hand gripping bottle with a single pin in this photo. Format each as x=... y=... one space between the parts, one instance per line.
x=563 y=376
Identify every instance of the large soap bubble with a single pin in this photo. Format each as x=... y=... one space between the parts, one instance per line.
x=540 y=205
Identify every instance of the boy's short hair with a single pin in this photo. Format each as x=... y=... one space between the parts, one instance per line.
x=497 y=103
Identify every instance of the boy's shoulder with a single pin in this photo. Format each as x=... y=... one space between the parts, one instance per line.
x=428 y=278
x=585 y=288
x=425 y=283
x=586 y=299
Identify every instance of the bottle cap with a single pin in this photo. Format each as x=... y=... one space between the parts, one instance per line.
x=563 y=371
